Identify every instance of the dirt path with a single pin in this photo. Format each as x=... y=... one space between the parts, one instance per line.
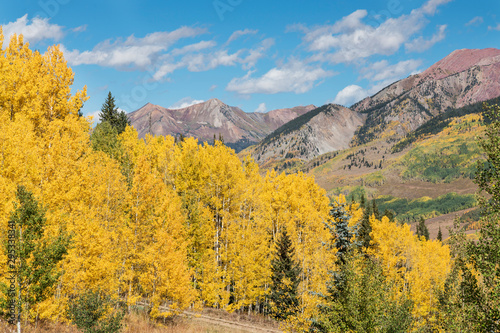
x=233 y=325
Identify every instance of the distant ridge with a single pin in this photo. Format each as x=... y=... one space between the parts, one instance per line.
x=213 y=117
x=324 y=129
x=463 y=77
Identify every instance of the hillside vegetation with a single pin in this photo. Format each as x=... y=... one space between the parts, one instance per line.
x=95 y=224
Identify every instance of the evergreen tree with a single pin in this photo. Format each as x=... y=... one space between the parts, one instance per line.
x=89 y=313
x=440 y=235
x=285 y=279
x=422 y=229
x=109 y=113
x=357 y=292
x=363 y=201
x=365 y=228
x=390 y=214
x=122 y=122
x=375 y=210
x=485 y=253
x=105 y=138
x=33 y=255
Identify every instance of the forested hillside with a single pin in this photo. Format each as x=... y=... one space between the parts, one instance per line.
x=177 y=224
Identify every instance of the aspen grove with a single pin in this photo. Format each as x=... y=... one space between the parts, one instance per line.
x=176 y=224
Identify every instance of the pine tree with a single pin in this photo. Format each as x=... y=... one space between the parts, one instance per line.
x=390 y=214
x=440 y=235
x=109 y=113
x=34 y=257
x=375 y=210
x=89 y=313
x=122 y=122
x=422 y=229
x=365 y=228
x=285 y=279
x=363 y=201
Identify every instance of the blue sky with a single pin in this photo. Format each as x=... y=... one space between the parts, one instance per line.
x=254 y=54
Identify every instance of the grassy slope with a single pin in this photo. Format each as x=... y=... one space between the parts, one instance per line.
x=416 y=181
x=435 y=162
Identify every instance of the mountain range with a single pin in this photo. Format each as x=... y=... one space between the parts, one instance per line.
x=213 y=118
x=463 y=77
x=411 y=146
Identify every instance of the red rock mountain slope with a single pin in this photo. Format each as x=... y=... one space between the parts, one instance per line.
x=463 y=77
x=213 y=117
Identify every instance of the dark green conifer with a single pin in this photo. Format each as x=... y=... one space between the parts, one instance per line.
x=36 y=256
x=109 y=113
x=284 y=298
x=440 y=235
x=375 y=210
x=365 y=227
x=390 y=214
x=422 y=228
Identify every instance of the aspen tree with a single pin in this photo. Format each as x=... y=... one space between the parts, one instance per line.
x=415 y=266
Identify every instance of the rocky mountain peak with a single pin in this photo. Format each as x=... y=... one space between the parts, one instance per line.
x=209 y=118
x=459 y=61
x=463 y=77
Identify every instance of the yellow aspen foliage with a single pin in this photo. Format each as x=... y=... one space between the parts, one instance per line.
x=36 y=85
x=83 y=192
x=187 y=175
x=297 y=203
x=415 y=266
x=155 y=267
x=249 y=246
x=211 y=182
x=172 y=223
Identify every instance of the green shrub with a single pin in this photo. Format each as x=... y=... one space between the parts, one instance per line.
x=89 y=312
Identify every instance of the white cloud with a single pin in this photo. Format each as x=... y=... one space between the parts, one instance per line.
x=205 y=44
x=350 y=95
x=131 y=52
x=255 y=54
x=238 y=33
x=152 y=53
x=261 y=108
x=294 y=76
x=475 y=21
x=350 y=39
x=497 y=28
x=420 y=44
x=36 y=30
x=430 y=6
x=185 y=102
x=202 y=62
x=80 y=28
x=198 y=62
x=382 y=71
